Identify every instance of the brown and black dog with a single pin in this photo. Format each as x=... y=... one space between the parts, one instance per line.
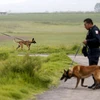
x=80 y=72
x=27 y=43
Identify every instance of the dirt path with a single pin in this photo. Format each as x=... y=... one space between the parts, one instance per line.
x=66 y=91
x=41 y=55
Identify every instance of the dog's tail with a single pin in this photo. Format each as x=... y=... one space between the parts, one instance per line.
x=17 y=39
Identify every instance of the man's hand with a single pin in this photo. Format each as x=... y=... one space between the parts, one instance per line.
x=85 y=42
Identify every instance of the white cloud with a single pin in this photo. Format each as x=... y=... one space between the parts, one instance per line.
x=11 y=1
x=47 y=5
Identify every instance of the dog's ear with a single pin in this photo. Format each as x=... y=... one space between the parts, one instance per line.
x=65 y=71
x=32 y=38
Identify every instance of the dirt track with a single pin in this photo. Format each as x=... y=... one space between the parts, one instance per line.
x=66 y=91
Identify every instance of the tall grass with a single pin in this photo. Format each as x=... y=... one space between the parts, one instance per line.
x=22 y=76
x=20 y=67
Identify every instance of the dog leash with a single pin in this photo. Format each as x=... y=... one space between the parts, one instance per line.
x=12 y=36
x=75 y=55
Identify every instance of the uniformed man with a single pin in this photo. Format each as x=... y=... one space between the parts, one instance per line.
x=92 y=42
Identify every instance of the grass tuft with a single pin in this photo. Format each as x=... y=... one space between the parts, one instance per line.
x=15 y=96
x=4 y=55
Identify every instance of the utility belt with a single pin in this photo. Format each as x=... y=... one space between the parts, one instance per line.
x=86 y=49
x=93 y=47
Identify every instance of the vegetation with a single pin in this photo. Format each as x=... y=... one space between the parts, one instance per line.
x=21 y=78
x=97 y=7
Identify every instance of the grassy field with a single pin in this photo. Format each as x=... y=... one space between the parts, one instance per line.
x=54 y=29
x=57 y=34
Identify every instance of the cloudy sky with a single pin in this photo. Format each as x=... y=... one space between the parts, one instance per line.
x=47 y=5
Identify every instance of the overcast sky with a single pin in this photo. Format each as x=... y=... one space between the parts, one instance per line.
x=47 y=5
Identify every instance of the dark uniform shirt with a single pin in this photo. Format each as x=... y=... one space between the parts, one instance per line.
x=93 y=37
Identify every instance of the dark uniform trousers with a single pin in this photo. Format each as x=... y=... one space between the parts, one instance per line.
x=93 y=56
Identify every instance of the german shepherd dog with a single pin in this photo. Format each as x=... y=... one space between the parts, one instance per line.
x=22 y=42
x=80 y=72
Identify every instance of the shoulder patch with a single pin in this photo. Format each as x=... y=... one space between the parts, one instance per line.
x=96 y=31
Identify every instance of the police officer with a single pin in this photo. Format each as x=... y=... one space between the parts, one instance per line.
x=92 y=43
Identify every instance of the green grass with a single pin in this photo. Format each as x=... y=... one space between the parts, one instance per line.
x=23 y=77
x=54 y=29
x=54 y=18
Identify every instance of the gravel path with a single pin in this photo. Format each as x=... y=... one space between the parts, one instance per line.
x=66 y=91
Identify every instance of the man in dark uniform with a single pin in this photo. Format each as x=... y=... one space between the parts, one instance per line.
x=92 y=43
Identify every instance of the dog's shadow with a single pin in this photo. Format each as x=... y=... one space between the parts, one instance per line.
x=77 y=89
